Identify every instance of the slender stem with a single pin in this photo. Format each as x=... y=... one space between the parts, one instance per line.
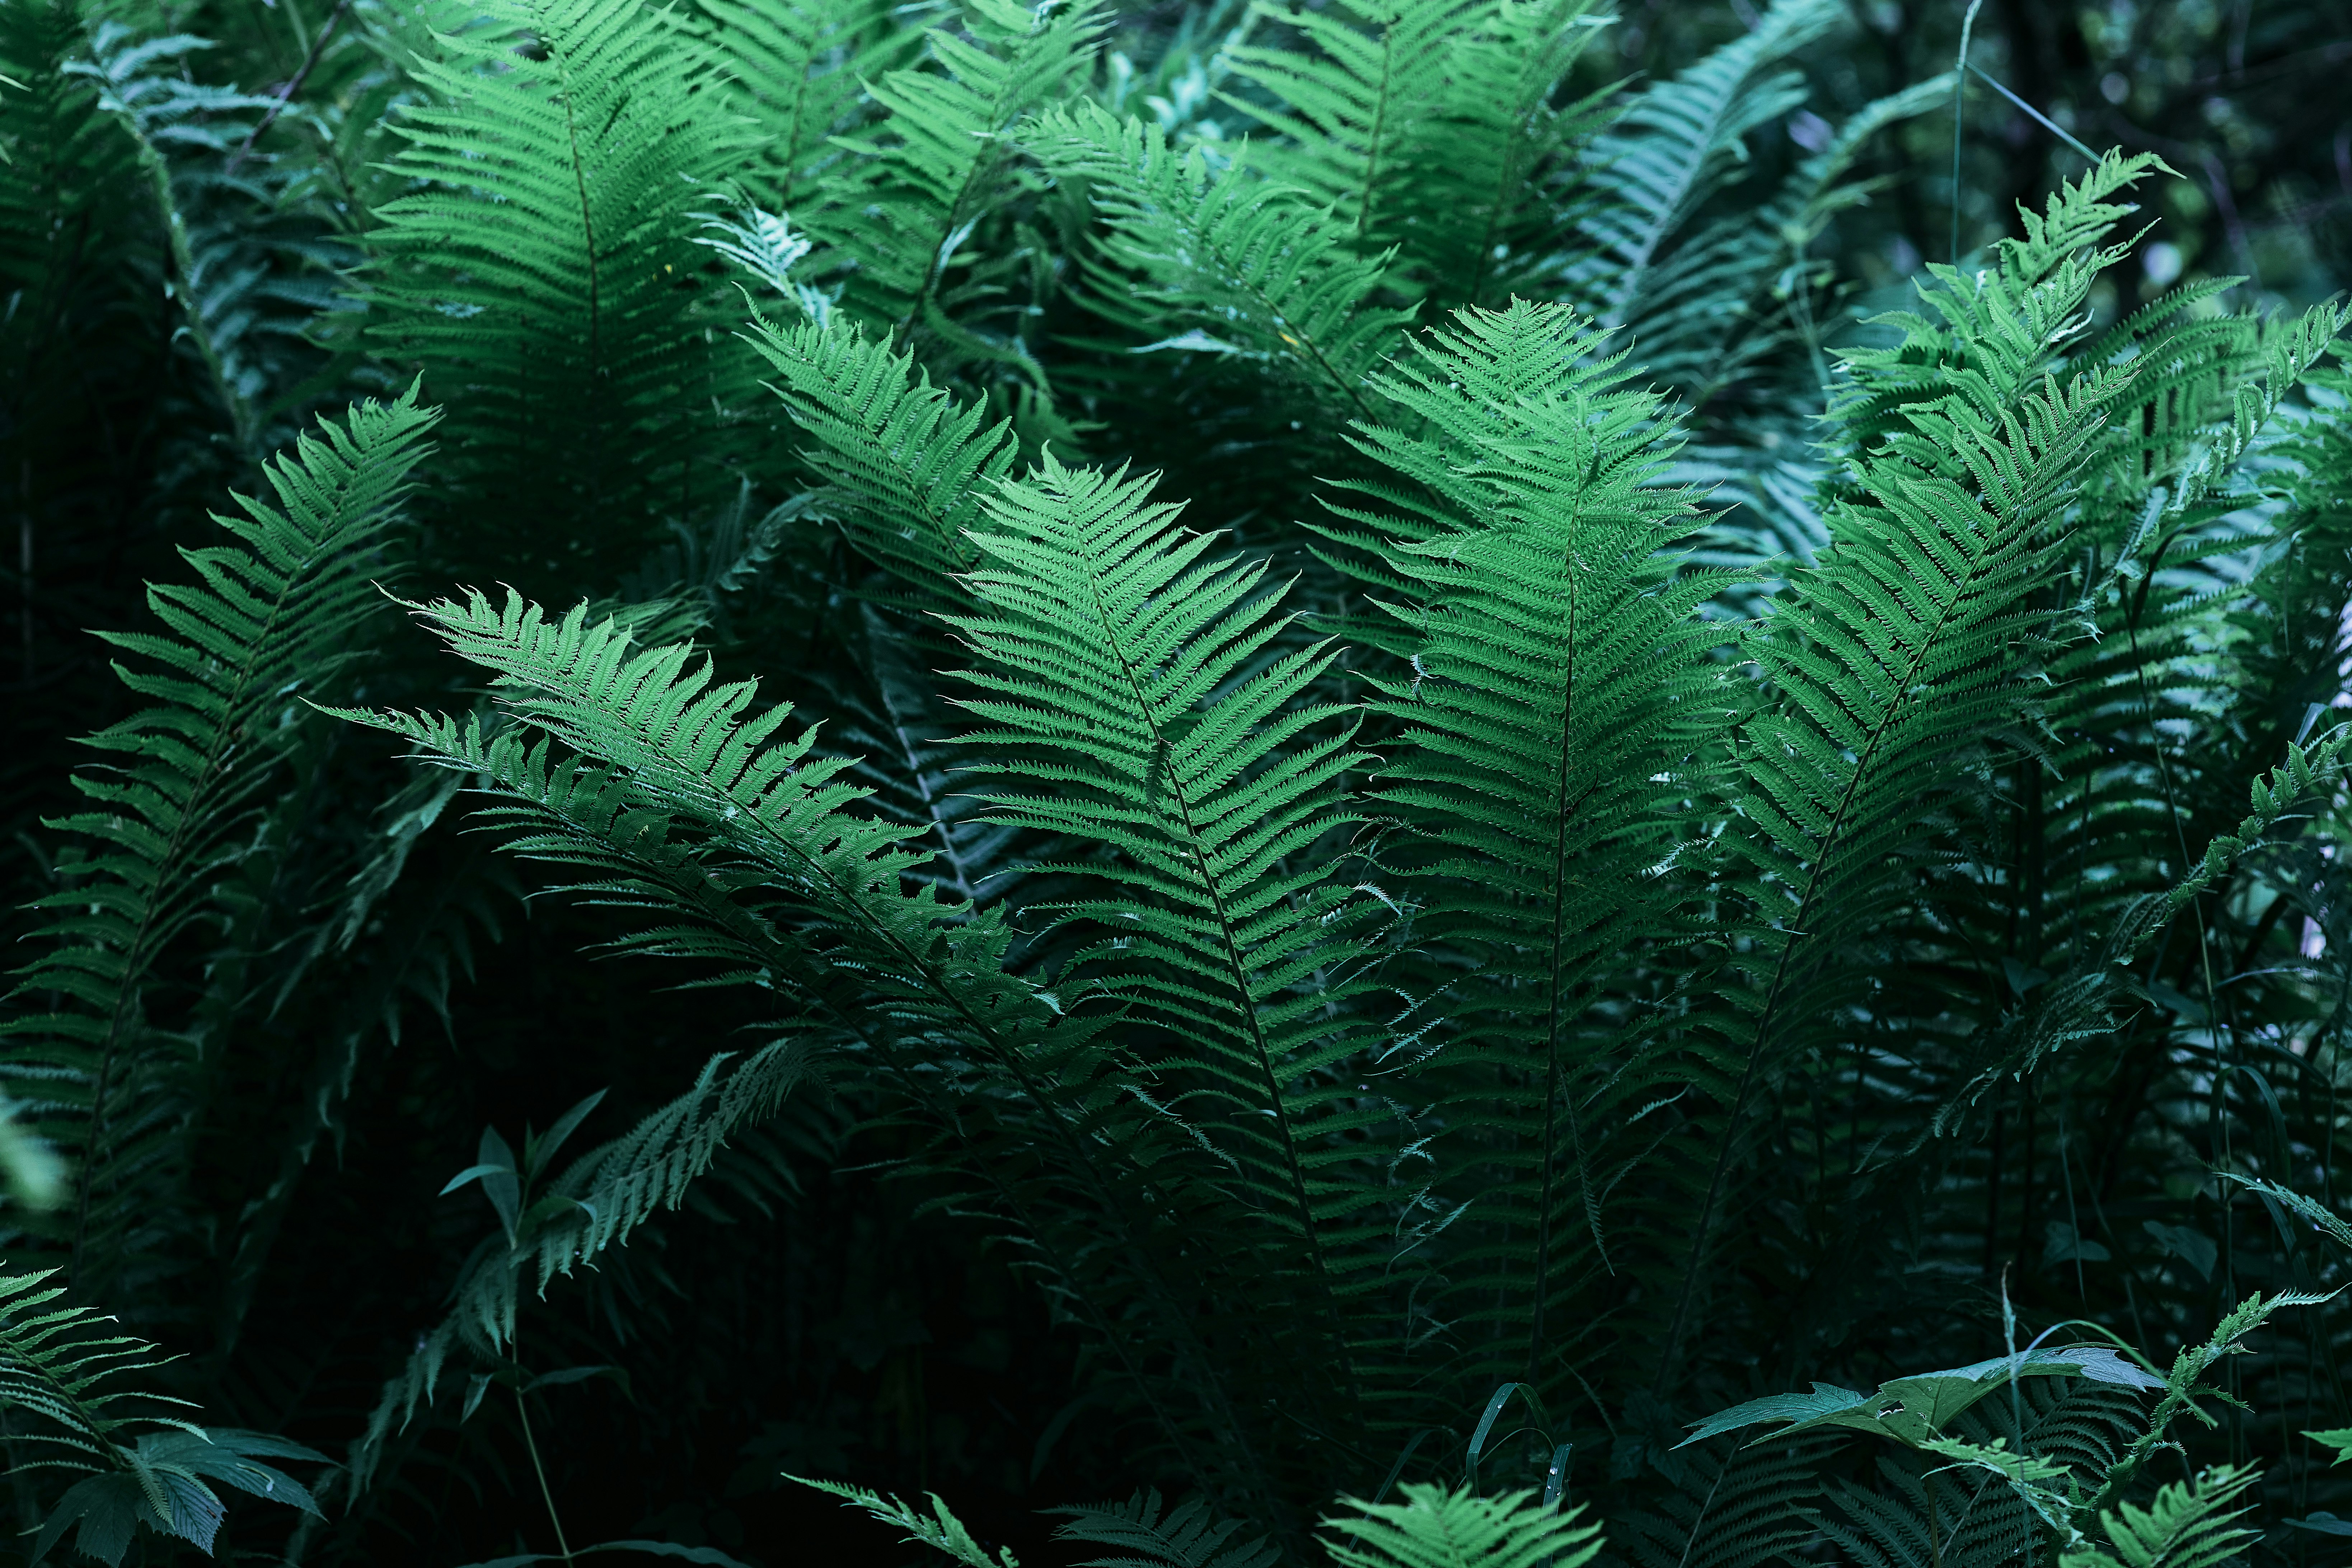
x=523 y=1408
x=1959 y=100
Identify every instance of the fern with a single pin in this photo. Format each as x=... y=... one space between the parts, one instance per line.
x=1242 y=266
x=1358 y=111
x=1133 y=699
x=802 y=71
x=1559 y=703
x=935 y=167
x=744 y=855
x=906 y=464
x=941 y=1531
x=142 y=1465
x=272 y=620
x=1907 y=649
x=544 y=266
x=1438 y=1528
x=1675 y=146
x=2186 y=1527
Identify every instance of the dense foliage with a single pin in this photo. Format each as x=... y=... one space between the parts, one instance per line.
x=1419 y=782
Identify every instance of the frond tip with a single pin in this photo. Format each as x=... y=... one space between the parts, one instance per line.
x=1434 y=1527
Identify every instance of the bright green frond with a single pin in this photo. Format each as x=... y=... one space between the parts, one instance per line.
x=1437 y=1528
x=1676 y=145
x=545 y=273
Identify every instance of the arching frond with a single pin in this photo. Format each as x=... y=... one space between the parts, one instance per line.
x=270 y=623
x=1136 y=697
x=1437 y=1528
x=906 y=464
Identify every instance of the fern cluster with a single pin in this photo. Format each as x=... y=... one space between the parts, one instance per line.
x=1301 y=693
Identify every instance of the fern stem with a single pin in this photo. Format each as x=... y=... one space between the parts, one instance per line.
x=1959 y=101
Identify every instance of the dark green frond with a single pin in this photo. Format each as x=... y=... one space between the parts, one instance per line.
x=269 y=625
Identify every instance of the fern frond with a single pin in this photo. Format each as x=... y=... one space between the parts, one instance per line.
x=144 y=1466
x=1221 y=261
x=1136 y=698
x=2188 y=1526
x=1908 y=650
x=943 y=1531
x=544 y=266
x=742 y=855
x=1357 y=111
x=935 y=165
x=270 y=623
x=906 y=463
x=802 y=68
x=1436 y=1528
x=1674 y=147
x=1553 y=728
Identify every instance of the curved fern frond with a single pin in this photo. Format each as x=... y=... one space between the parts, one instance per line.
x=1675 y=145
x=1186 y=1536
x=1356 y=112
x=1221 y=261
x=1907 y=649
x=1552 y=730
x=142 y=1465
x=2188 y=1526
x=270 y=623
x=803 y=67
x=936 y=164
x=742 y=854
x=906 y=465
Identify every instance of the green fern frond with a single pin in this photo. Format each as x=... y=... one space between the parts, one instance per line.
x=1436 y=1528
x=143 y=1466
x=1136 y=697
x=1908 y=649
x=1358 y=109
x=270 y=623
x=801 y=67
x=906 y=463
x=943 y=1531
x=544 y=267
x=935 y=166
x=2188 y=1526
x=1221 y=261
x=741 y=854
x=1551 y=730
x=1675 y=145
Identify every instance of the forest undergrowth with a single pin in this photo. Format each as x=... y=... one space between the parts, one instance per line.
x=1390 y=782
